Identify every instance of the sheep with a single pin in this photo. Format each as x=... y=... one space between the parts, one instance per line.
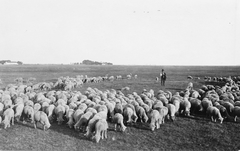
x=236 y=112
x=176 y=103
x=59 y=111
x=41 y=117
x=163 y=112
x=1 y=108
x=44 y=106
x=69 y=116
x=222 y=110
x=205 y=104
x=129 y=115
x=50 y=111
x=196 y=105
x=118 y=108
x=118 y=122
x=92 y=122
x=83 y=121
x=37 y=107
x=28 y=113
x=171 y=111
x=101 y=127
x=214 y=113
x=77 y=115
x=129 y=76
x=189 y=77
x=125 y=89
x=155 y=119
x=7 y=103
x=8 y=116
x=18 y=111
x=141 y=114
x=185 y=106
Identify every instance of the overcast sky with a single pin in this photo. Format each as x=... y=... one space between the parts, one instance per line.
x=126 y=32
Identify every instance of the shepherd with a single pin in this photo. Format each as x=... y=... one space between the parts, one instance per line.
x=163 y=77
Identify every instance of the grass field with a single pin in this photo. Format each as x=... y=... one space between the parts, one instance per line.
x=197 y=133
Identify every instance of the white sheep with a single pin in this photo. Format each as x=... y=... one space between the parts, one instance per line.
x=69 y=116
x=101 y=127
x=118 y=122
x=83 y=121
x=92 y=122
x=41 y=117
x=155 y=119
x=214 y=113
x=8 y=116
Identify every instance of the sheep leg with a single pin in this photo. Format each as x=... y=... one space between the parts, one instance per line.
x=34 y=125
x=212 y=119
x=12 y=120
x=105 y=133
x=115 y=127
x=102 y=134
x=235 y=119
x=157 y=125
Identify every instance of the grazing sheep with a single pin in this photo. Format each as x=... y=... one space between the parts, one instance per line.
x=164 y=112
x=214 y=114
x=229 y=106
x=125 y=89
x=141 y=113
x=101 y=127
x=118 y=108
x=236 y=112
x=196 y=105
x=129 y=76
x=129 y=115
x=93 y=121
x=205 y=104
x=83 y=121
x=1 y=108
x=185 y=106
x=176 y=103
x=18 y=111
x=50 y=111
x=118 y=122
x=189 y=77
x=222 y=110
x=60 y=111
x=37 y=107
x=171 y=111
x=69 y=116
x=28 y=113
x=8 y=116
x=41 y=117
x=77 y=115
x=7 y=103
x=155 y=119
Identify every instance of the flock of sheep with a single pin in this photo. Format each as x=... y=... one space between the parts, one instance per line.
x=92 y=110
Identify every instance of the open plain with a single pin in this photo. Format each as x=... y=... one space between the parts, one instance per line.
x=185 y=133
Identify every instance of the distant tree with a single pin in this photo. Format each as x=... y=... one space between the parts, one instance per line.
x=89 y=62
x=19 y=63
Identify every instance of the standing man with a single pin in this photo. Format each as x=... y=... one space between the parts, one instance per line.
x=163 y=77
